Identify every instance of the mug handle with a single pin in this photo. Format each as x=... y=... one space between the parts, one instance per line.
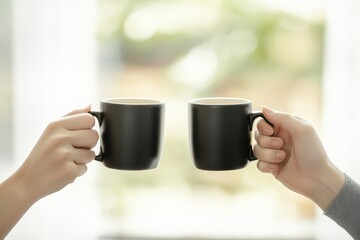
x=254 y=116
x=98 y=116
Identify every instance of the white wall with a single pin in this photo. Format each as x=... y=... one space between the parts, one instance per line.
x=341 y=95
x=54 y=72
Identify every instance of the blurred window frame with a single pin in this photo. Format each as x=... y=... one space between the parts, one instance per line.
x=5 y=82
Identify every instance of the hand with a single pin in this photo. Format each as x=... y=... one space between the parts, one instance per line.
x=60 y=155
x=292 y=151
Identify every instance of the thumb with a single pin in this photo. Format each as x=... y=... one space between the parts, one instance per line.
x=78 y=111
x=284 y=120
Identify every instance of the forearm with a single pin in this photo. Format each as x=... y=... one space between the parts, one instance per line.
x=14 y=202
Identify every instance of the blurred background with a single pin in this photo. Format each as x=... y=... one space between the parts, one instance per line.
x=293 y=56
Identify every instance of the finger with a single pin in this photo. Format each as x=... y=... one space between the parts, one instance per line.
x=80 y=170
x=78 y=111
x=266 y=167
x=268 y=142
x=269 y=155
x=265 y=128
x=82 y=156
x=291 y=123
x=78 y=121
x=84 y=138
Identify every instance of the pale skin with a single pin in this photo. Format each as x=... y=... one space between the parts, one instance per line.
x=57 y=159
x=292 y=152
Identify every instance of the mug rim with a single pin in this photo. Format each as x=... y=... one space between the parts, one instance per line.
x=131 y=101
x=219 y=101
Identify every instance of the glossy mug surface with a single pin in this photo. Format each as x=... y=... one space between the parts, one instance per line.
x=219 y=133
x=131 y=132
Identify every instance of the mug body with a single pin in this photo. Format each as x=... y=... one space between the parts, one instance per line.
x=131 y=133
x=219 y=133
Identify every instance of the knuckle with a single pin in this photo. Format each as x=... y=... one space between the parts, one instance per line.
x=92 y=138
x=72 y=179
x=66 y=169
x=257 y=150
x=71 y=173
x=95 y=137
x=261 y=166
x=264 y=141
x=52 y=127
x=263 y=154
x=86 y=157
x=261 y=141
x=60 y=140
x=90 y=120
x=92 y=154
x=63 y=154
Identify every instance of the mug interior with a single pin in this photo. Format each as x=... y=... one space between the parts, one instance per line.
x=131 y=101
x=219 y=101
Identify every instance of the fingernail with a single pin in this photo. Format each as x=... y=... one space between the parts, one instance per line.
x=268 y=130
x=276 y=143
x=280 y=155
x=268 y=110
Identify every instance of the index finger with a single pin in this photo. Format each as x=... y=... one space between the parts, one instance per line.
x=265 y=128
x=80 y=110
x=78 y=121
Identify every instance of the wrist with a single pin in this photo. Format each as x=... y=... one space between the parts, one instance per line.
x=22 y=188
x=327 y=187
x=15 y=200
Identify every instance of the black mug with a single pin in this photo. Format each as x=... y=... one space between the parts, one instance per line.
x=131 y=132
x=219 y=132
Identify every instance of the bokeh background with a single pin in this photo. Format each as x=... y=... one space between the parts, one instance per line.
x=179 y=50
x=56 y=56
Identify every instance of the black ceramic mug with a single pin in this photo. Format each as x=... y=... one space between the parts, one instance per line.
x=131 y=132
x=219 y=132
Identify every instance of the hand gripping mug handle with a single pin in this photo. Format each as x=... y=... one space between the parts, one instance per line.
x=98 y=116
x=254 y=116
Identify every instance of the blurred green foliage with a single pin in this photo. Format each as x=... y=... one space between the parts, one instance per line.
x=244 y=35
